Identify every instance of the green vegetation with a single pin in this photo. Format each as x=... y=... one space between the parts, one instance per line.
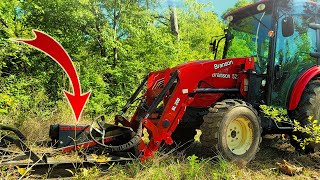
x=165 y=167
x=281 y=115
x=113 y=44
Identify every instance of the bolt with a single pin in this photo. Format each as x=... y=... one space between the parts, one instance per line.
x=157 y=142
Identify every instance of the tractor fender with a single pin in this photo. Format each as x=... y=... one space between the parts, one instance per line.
x=300 y=84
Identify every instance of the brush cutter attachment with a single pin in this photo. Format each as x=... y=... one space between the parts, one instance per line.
x=99 y=136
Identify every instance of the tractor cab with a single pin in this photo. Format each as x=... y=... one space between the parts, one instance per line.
x=283 y=37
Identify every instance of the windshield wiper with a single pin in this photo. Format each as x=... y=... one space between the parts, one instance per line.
x=260 y=21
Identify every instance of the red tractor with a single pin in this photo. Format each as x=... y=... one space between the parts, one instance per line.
x=222 y=97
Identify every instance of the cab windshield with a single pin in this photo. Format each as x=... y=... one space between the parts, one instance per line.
x=251 y=39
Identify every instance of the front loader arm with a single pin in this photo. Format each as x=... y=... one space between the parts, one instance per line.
x=172 y=114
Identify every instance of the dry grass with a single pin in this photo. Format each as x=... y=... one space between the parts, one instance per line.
x=185 y=165
x=177 y=165
x=182 y=166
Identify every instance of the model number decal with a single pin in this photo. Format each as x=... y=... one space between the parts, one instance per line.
x=221 y=65
x=219 y=75
x=225 y=76
x=176 y=103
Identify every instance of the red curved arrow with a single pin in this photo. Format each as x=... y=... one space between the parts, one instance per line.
x=52 y=48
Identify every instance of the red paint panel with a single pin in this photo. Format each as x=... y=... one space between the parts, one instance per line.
x=83 y=145
x=80 y=146
x=72 y=128
x=300 y=84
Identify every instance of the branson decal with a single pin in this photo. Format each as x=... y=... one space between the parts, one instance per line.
x=218 y=66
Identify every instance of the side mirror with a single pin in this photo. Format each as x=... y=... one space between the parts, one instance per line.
x=287 y=26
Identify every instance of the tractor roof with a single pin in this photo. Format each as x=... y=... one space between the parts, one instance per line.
x=265 y=5
x=248 y=10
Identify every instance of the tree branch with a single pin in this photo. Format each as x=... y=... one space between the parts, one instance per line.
x=3 y=23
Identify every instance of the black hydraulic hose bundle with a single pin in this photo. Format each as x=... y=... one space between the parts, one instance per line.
x=126 y=146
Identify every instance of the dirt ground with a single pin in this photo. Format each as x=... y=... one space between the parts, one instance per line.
x=273 y=150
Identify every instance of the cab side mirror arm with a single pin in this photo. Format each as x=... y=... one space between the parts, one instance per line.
x=316 y=54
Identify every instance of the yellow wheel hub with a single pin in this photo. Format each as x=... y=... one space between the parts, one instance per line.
x=239 y=135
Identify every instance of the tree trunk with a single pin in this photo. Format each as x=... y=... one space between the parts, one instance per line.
x=174 y=22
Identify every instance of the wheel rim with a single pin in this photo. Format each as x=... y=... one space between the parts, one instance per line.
x=239 y=135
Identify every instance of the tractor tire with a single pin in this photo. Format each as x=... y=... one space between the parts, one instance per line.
x=309 y=105
x=233 y=129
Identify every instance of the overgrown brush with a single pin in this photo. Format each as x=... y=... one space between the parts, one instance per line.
x=281 y=115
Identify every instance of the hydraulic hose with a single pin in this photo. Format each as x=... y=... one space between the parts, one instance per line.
x=123 y=147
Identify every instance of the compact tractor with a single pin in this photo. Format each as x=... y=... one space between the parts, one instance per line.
x=280 y=67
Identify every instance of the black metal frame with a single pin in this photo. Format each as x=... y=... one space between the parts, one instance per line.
x=161 y=95
x=216 y=90
x=134 y=96
x=228 y=37
x=156 y=102
x=20 y=144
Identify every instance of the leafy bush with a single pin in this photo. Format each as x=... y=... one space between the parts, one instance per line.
x=313 y=129
x=281 y=115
